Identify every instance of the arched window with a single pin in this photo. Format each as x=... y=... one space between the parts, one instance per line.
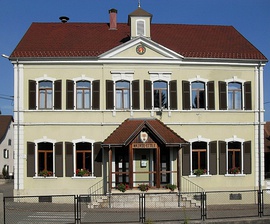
x=198 y=94
x=234 y=96
x=45 y=94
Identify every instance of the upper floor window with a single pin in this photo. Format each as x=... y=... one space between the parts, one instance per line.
x=122 y=92
x=45 y=94
x=83 y=94
x=198 y=95
x=234 y=96
x=160 y=94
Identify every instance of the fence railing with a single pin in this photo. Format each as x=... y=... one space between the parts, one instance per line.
x=143 y=207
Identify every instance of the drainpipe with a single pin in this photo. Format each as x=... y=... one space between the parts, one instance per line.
x=259 y=119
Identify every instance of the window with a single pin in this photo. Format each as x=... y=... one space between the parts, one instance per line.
x=45 y=157
x=235 y=156
x=83 y=94
x=234 y=96
x=160 y=94
x=122 y=89
x=6 y=154
x=199 y=156
x=9 y=142
x=84 y=157
x=198 y=95
x=140 y=28
x=45 y=94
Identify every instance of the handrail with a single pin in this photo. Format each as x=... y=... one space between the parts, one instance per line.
x=188 y=186
x=97 y=188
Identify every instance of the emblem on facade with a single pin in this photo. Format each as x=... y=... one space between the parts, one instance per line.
x=143 y=136
x=140 y=49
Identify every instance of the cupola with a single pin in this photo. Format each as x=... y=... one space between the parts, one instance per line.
x=140 y=23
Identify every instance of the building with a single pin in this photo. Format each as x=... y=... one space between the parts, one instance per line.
x=99 y=104
x=6 y=146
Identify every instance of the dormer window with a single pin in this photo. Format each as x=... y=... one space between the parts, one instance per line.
x=140 y=28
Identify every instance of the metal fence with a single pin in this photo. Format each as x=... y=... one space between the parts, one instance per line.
x=136 y=207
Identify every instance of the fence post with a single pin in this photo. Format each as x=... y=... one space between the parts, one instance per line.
x=203 y=205
x=142 y=207
x=260 y=201
x=77 y=205
x=1 y=208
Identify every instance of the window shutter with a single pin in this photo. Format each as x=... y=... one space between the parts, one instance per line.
x=222 y=157
x=58 y=95
x=248 y=97
x=70 y=95
x=173 y=95
x=109 y=95
x=59 y=159
x=97 y=159
x=222 y=96
x=32 y=95
x=186 y=160
x=30 y=159
x=247 y=157
x=136 y=95
x=147 y=95
x=96 y=92
x=186 y=95
x=213 y=158
x=211 y=95
x=69 y=159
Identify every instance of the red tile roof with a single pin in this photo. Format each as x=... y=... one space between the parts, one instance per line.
x=93 y=39
x=5 y=121
x=130 y=128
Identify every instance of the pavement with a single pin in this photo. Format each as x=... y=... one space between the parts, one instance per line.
x=6 y=187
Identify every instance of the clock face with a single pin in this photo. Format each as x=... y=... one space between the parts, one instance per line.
x=140 y=49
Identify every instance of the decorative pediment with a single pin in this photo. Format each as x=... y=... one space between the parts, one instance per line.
x=141 y=48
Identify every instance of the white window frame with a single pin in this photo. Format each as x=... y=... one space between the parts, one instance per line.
x=235 y=139
x=200 y=139
x=84 y=140
x=40 y=79
x=44 y=139
x=137 y=27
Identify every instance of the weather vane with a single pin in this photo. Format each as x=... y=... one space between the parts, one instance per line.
x=139 y=3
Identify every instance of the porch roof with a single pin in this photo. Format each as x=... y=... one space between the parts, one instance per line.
x=130 y=128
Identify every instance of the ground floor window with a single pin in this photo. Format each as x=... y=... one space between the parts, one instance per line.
x=234 y=157
x=83 y=159
x=199 y=156
x=45 y=159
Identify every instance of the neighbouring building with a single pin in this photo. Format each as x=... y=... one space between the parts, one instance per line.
x=6 y=146
x=98 y=104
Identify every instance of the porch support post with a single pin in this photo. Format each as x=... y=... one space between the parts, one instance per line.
x=110 y=170
x=179 y=169
x=130 y=166
x=158 y=167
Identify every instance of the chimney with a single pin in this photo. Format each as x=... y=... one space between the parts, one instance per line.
x=63 y=19
x=113 y=22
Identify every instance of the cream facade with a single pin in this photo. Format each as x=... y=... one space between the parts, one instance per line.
x=53 y=137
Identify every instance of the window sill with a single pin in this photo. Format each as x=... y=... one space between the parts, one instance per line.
x=84 y=177
x=40 y=177
x=235 y=175
x=204 y=175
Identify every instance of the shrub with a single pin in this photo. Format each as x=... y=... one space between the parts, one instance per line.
x=122 y=187
x=143 y=187
x=172 y=187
